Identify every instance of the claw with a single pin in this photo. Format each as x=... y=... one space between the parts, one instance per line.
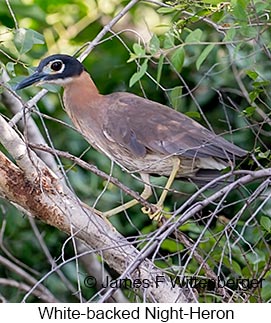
x=154 y=213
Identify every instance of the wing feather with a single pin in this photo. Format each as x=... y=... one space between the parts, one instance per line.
x=141 y=125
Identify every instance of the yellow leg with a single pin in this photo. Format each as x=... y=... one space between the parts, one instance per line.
x=147 y=192
x=159 y=205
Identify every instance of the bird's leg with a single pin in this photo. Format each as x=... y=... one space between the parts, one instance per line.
x=159 y=205
x=147 y=192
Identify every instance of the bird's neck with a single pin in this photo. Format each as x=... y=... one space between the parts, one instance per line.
x=85 y=107
x=82 y=87
x=80 y=95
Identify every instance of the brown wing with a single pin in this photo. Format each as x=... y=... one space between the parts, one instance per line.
x=139 y=125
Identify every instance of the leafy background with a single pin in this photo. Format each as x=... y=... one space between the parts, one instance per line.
x=210 y=60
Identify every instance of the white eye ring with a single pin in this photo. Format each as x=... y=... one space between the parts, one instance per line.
x=56 y=66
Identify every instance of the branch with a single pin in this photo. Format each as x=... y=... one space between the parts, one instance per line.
x=15 y=105
x=32 y=102
x=22 y=286
x=29 y=279
x=250 y=176
x=45 y=198
x=96 y=269
x=95 y=170
x=25 y=158
x=169 y=226
x=106 y=29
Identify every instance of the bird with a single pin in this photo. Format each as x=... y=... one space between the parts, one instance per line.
x=140 y=135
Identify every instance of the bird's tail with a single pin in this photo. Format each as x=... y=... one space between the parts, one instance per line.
x=205 y=176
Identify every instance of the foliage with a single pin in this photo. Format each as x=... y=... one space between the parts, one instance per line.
x=209 y=59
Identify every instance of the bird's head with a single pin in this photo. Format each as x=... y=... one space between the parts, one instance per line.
x=55 y=69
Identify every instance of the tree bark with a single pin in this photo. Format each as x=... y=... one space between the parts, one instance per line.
x=32 y=187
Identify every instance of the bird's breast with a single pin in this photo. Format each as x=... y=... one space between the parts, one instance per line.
x=154 y=164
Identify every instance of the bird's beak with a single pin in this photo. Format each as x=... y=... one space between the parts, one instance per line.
x=36 y=77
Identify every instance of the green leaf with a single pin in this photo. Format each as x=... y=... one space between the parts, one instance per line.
x=160 y=68
x=266 y=290
x=204 y=55
x=230 y=34
x=166 y=10
x=169 y=40
x=177 y=58
x=138 y=75
x=256 y=257
x=52 y=87
x=10 y=68
x=175 y=97
x=154 y=44
x=138 y=50
x=236 y=267
x=249 y=111
x=194 y=36
x=213 y=2
x=266 y=223
x=264 y=155
x=239 y=11
x=253 y=95
x=261 y=84
x=252 y=74
x=171 y=246
x=261 y=7
x=25 y=39
x=194 y=115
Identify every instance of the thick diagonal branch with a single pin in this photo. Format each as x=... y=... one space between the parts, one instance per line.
x=31 y=186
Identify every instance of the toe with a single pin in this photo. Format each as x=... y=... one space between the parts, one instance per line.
x=155 y=213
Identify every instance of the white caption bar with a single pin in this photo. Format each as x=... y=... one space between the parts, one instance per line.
x=25 y=313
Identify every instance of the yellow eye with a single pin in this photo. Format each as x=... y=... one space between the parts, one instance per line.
x=56 y=66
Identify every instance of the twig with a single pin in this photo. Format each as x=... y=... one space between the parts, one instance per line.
x=49 y=257
x=16 y=269
x=106 y=29
x=27 y=106
x=15 y=105
x=24 y=287
x=197 y=256
x=171 y=224
x=12 y=14
x=95 y=170
x=97 y=269
x=59 y=207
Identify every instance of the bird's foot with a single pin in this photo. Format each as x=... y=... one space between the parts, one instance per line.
x=154 y=213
